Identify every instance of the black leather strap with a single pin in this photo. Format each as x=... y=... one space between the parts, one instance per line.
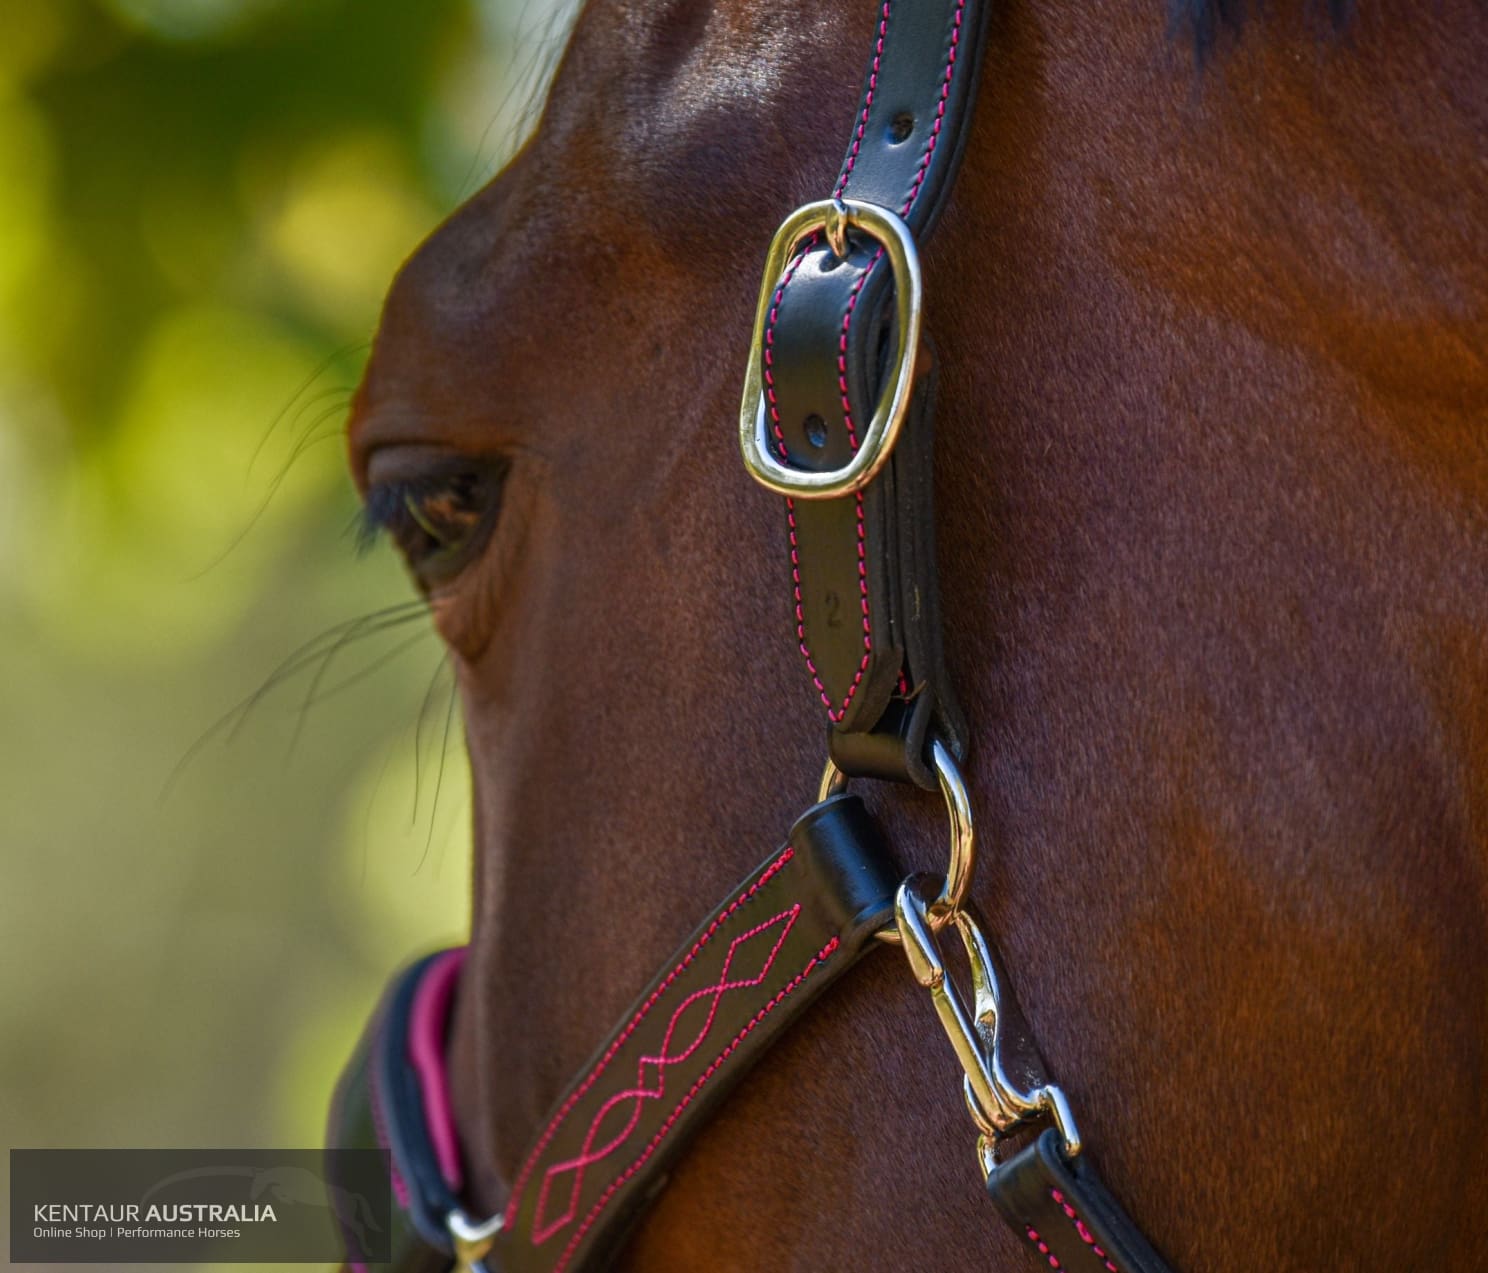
x=863 y=567
x=1069 y=1218
x=779 y=940
x=796 y=924
x=789 y=930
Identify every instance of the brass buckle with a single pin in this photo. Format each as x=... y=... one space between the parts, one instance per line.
x=889 y=230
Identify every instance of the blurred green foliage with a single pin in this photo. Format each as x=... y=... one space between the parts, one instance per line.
x=201 y=205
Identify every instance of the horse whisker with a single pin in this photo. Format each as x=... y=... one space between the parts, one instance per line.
x=272 y=490
x=449 y=716
x=233 y=719
x=418 y=734
x=351 y=634
x=320 y=369
x=377 y=664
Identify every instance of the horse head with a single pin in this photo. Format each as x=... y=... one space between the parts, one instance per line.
x=1212 y=487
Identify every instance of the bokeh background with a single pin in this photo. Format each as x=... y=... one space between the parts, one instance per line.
x=232 y=798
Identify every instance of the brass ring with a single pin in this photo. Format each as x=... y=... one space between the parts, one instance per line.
x=888 y=230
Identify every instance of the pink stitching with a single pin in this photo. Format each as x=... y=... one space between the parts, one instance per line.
x=1044 y=1249
x=852 y=304
x=594 y=1212
x=837 y=713
x=852 y=434
x=852 y=158
x=833 y=713
x=1085 y=1235
x=940 y=110
x=639 y=1094
x=765 y=876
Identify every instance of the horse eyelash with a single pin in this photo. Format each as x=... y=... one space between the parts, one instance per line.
x=390 y=503
x=384 y=504
x=395 y=508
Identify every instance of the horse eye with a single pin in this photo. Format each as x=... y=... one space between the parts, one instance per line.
x=439 y=521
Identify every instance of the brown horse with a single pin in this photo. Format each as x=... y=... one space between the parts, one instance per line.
x=1213 y=490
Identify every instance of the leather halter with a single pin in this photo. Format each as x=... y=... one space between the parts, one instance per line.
x=836 y=416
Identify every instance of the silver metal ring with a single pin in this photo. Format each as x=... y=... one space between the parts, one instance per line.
x=472 y=1240
x=961 y=863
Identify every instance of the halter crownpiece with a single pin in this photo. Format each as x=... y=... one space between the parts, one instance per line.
x=837 y=418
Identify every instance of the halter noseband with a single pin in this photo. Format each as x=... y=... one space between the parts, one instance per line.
x=836 y=417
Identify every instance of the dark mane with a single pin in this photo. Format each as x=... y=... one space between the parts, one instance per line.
x=1206 y=21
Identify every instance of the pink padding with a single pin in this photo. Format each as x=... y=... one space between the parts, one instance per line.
x=426 y=1025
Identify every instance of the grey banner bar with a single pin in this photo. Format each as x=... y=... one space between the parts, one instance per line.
x=190 y=1206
